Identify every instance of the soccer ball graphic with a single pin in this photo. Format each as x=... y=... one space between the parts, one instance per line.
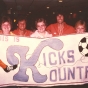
x=83 y=46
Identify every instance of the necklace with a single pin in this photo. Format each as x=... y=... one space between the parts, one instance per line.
x=60 y=29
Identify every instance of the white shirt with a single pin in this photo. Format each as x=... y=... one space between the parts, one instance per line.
x=36 y=34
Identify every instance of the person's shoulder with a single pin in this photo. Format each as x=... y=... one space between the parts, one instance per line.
x=50 y=27
x=34 y=33
x=29 y=32
x=69 y=26
x=48 y=34
x=15 y=30
x=0 y=32
x=53 y=24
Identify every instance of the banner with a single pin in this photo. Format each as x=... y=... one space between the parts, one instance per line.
x=44 y=62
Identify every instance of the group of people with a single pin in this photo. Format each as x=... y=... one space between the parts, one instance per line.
x=56 y=29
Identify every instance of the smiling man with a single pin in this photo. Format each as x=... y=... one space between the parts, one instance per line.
x=21 y=28
x=60 y=28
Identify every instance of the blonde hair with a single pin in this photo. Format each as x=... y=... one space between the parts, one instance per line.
x=80 y=22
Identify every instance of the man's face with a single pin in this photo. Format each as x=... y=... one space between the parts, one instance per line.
x=6 y=27
x=22 y=25
x=41 y=27
x=60 y=18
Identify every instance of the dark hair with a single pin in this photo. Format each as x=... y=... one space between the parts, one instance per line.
x=21 y=18
x=60 y=12
x=40 y=20
x=6 y=19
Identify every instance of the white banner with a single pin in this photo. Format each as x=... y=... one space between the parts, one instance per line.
x=44 y=62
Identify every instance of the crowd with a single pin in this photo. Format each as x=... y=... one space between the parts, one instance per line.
x=43 y=31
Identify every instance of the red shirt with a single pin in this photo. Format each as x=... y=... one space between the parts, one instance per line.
x=26 y=34
x=53 y=29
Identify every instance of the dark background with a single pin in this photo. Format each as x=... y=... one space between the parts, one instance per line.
x=73 y=10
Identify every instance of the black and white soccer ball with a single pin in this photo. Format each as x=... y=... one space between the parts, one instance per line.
x=83 y=46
